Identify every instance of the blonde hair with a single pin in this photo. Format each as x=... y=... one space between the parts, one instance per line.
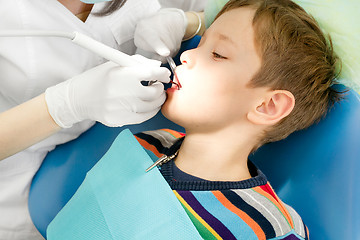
x=296 y=56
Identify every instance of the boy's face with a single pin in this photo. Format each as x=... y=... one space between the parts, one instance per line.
x=214 y=76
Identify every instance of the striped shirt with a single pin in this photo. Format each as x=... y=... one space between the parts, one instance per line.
x=248 y=209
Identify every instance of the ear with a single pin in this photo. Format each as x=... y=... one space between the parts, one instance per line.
x=277 y=105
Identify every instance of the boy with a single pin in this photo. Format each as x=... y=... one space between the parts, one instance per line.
x=261 y=71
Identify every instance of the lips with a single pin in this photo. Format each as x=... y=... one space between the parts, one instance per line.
x=176 y=81
x=175 y=84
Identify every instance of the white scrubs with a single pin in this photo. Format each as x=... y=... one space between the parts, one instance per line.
x=29 y=65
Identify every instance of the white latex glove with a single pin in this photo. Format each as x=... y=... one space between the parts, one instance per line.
x=161 y=33
x=110 y=94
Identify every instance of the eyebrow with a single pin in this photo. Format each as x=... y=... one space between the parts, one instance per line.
x=225 y=38
x=221 y=37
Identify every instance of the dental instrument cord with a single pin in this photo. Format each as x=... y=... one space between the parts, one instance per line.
x=36 y=33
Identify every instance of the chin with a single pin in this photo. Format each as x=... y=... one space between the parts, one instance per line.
x=170 y=113
x=166 y=110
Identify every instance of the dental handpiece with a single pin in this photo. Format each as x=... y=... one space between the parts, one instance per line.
x=80 y=39
x=117 y=56
x=92 y=45
x=106 y=52
x=103 y=50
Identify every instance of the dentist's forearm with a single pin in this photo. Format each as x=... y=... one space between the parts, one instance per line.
x=193 y=24
x=25 y=125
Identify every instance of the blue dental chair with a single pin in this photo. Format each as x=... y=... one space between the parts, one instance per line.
x=314 y=170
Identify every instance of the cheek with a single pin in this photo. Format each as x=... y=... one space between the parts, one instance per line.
x=174 y=109
x=204 y=82
x=206 y=96
x=190 y=108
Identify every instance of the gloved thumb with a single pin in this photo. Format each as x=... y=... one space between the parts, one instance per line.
x=162 y=49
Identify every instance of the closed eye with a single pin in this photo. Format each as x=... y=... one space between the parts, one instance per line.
x=216 y=55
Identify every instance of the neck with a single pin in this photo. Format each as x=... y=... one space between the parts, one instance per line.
x=76 y=6
x=216 y=156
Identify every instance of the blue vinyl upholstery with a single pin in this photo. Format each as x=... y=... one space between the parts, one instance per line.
x=314 y=170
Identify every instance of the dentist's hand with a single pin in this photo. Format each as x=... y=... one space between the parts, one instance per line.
x=110 y=94
x=161 y=33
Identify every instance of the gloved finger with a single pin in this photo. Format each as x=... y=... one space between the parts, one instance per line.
x=104 y=66
x=160 y=74
x=119 y=120
x=140 y=106
x=142 y=117
x=170 y=43
x=146 y=61
x=152 y=43
x=162 y=49
x=152 y=92
x=136 y=75
x=151 y=55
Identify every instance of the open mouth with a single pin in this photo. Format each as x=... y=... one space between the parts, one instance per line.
x=176 y=81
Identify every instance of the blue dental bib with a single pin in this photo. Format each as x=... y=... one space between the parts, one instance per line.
x=119 y=200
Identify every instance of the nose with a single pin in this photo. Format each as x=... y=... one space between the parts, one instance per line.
x=187 y=58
